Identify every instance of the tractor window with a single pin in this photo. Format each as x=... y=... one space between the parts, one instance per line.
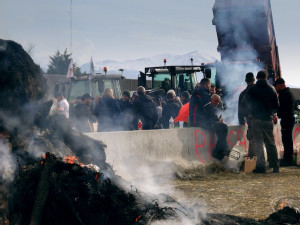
x=102 y=85
x=78 y=88
x=186 y=81
x=213 y=76
x=162 y=81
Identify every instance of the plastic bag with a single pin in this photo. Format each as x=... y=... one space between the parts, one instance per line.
x=236 y=158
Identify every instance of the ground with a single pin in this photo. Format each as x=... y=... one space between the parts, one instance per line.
x=247 y=195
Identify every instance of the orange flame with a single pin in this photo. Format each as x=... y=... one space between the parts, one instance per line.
x=282 y=204
x=71 y=159
x=137 y=219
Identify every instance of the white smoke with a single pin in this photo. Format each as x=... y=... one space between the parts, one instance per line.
x=8 y=163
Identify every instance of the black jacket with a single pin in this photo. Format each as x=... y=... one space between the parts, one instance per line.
x=171 y=109
x=262 y=99
x=287 y=105
x=210 y=115
x=145 y=109
x=243 y=110
x=127 y=115
x=107 y=112
x=199 y=98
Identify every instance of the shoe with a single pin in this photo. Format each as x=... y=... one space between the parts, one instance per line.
x=276 y=170
x=259 y=170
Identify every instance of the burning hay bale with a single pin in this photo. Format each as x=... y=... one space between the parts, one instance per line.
x=73 y=184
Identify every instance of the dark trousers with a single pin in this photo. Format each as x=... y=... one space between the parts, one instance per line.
x=221 y=150
x=287 y=138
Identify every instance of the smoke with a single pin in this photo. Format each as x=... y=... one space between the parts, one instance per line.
x=239 y=36
x=8 y=163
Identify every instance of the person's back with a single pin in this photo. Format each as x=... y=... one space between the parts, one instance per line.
x=145 y=109
x=171 y=109
x=107 y=112
x=263 y=100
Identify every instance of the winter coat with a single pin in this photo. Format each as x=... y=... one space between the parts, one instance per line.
x=262 y=99
x=287 y=105
x=171 y=109
x=127 y=115
x=107 y=112
x=199 y=98
x=243 y=110
x=145 y=109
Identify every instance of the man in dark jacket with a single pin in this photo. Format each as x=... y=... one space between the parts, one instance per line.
x=214 y=123
x=127 y=115
x=286 y=113
x=145 y=109
x=263 y=102
x=83 y=118
x=170 y=109
x=200 y=97
x=243 y=113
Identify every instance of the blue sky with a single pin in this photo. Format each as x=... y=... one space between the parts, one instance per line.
x=130 y=29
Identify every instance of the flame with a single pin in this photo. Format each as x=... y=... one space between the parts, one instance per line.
x=137 y=219
x=71 y=159
x=282 y=204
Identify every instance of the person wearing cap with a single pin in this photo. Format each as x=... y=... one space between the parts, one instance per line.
x=83 y=117
x=286 y=114
x=243 y=113
x=62 y=104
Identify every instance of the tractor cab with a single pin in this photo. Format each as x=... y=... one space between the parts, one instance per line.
x=178 y=78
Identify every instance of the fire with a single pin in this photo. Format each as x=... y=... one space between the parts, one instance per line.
x=137 y=219
x=71 y=159
x=282 y=204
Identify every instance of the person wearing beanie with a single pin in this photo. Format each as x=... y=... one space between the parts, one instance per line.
x=286 y=114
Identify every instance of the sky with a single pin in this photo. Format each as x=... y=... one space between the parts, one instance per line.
x=132 y=29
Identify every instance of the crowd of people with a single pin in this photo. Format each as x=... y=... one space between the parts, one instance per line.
x=257 y=106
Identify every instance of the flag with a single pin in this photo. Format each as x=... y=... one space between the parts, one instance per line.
x=70 y=70
x=92 y=70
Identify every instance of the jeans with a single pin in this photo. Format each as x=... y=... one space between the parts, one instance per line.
x=263 y=134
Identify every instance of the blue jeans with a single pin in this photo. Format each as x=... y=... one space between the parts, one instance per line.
x=263 y=134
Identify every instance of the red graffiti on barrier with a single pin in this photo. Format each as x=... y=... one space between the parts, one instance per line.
x=199 y=145
x=240 y=136
x=243 y=140
x=296 y=130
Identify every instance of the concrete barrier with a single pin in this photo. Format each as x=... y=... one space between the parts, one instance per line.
x=180 y=146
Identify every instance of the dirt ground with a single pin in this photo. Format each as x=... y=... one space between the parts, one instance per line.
x=247 y=195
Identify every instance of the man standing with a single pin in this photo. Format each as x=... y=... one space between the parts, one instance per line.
x=82 y=114
x=243 y=113
x=286 y=113
x=263 y=102
x=171 y=109
x=214 y=123
x=200 y=97
x=145 y=109
x=62 y=104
